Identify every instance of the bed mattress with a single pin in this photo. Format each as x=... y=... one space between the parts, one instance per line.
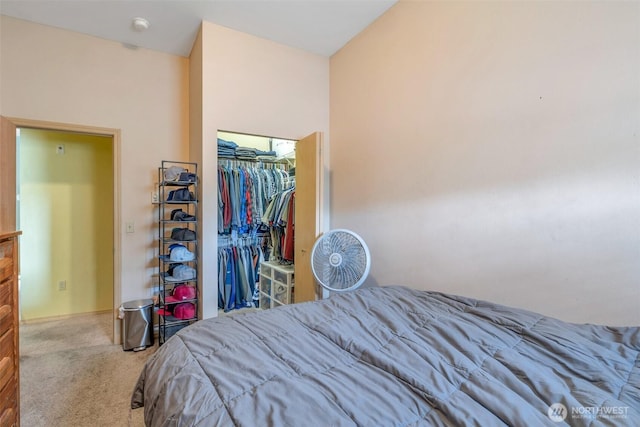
x=393 y=356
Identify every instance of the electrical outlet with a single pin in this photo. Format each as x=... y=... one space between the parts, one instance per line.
x=154 y=197
x=62 y=285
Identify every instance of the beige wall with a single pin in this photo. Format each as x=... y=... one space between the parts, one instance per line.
x=239 y=82
x=60 y=76
x=66 y=205
x=498 y=141
x=492 y=150
x=255 y=86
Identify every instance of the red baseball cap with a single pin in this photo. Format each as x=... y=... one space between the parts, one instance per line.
x=182 y=293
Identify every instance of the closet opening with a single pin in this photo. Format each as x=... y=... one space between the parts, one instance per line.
x=256 y=221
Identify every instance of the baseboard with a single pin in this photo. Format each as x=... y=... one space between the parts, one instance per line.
x=62 y=317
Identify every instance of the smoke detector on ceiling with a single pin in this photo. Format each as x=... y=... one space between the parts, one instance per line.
x=140 y=24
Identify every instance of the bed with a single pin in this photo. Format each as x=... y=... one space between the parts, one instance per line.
x=392 y=356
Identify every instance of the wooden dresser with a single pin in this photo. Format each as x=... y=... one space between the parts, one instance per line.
x=9 y=354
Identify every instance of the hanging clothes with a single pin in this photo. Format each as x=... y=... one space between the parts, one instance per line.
x=281 y=220
x=255 y=204
x=244 y=191
x=238 y=274
x=289 y=230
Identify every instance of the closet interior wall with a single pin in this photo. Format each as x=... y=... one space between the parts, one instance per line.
x=256 y=187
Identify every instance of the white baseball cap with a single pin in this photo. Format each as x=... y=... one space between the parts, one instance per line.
x=180 y=253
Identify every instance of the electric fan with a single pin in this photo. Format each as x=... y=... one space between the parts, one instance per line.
x=340 y=260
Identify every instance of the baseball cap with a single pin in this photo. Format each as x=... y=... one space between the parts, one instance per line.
x=181 y=293
x=178 y=253
x=172 y=173
x=183 y=234
x=187 y=177
x=180 y=215
x=180 y=273
x=184 y=310
x=181 y=195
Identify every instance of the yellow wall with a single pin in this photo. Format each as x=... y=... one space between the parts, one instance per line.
x=491 y=149
x=66 y=216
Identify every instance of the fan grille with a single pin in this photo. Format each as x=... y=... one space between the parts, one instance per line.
x=340 y=260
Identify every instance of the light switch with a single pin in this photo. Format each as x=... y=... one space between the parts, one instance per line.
x=131 y=227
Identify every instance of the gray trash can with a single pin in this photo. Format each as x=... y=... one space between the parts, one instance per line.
x=137 y=324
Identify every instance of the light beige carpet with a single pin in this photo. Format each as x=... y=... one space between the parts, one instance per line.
x=72 y=375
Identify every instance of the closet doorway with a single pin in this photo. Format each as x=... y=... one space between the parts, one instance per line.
x=67 y=208
x=302 y=161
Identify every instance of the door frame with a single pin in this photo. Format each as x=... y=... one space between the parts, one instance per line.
x=115 y=153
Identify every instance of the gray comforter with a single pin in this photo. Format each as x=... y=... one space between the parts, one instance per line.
x=393 y=356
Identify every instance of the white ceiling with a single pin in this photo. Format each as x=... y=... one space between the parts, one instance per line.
x=317 y=26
